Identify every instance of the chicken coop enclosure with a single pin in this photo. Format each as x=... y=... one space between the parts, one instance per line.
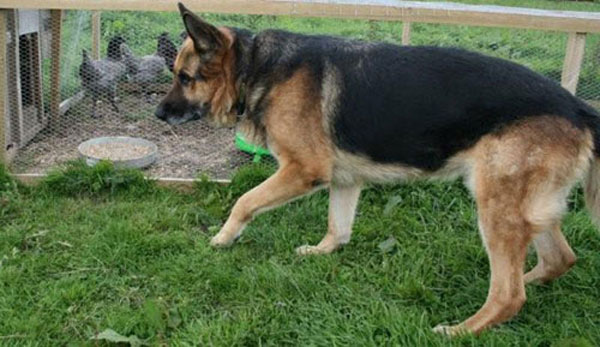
x=109 y=80
x=75 y=70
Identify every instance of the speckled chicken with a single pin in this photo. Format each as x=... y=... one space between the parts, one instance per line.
x=144 y=69
x=166 y=49
x=99 y=78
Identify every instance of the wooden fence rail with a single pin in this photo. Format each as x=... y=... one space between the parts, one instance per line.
x=412 y=11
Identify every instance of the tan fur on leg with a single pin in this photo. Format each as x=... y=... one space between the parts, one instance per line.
x=289 y=182
x=342 y=208
x=505 y=234
x=521 y=178
x=303 y=153
x=554 y=254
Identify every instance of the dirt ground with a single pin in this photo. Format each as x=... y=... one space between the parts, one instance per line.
x=185 y=151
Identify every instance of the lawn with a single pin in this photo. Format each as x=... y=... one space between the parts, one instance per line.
x=96 y=249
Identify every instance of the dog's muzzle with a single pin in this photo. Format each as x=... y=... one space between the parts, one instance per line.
x=167 y=113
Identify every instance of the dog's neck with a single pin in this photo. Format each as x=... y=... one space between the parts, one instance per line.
x=243 y=46
x=239 y=107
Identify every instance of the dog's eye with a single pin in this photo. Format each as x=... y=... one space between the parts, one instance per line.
x=184 y=78
x=198 y=77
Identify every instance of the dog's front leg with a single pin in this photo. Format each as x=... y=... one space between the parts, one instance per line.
x=289 y=182
x=342 y=208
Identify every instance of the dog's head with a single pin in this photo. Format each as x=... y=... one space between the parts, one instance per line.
x=204 y=83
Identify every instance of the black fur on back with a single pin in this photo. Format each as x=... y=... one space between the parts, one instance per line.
x=411 y=105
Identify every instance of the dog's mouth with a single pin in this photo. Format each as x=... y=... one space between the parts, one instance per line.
x=187 y=116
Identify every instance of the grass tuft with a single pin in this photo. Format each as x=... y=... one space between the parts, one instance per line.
x=10 y=197
x=248 y=177
x=217 y=199
x=6 y=181
x=78 y=179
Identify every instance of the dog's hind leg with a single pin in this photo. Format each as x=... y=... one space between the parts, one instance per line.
x=554 y=254
x=342 y=208
x=506 y=235
x=289 y=182
x=521 y=178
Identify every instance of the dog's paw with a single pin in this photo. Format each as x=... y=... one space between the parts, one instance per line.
x=450 y=330
x=310 y=250
x=221 y=240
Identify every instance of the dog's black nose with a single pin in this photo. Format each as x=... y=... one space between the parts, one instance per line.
x=160 y=112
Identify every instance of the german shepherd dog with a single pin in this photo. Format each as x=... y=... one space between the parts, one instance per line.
x=339 y=113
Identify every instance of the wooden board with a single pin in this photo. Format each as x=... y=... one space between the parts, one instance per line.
x=29 y=22
x=411 y=11
x=406 y=33
x=33 y=117
x=181 y=184
x=13 y=66
x=66 y=105
x=56 y=24
x=573 y=60
x=96 y=25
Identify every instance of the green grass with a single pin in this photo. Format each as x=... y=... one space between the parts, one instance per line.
x=81 y=254
x=97 y=249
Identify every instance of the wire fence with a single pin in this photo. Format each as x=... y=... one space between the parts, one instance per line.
x=116 y=92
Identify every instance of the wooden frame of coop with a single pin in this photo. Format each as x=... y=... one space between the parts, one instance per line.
x=575 y=24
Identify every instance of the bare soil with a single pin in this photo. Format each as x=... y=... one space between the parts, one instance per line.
x=185 y=151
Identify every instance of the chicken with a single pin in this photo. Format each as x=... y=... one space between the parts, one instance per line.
x=143 y=70
x=99 y=78
x=167 y=50
x=113 y=51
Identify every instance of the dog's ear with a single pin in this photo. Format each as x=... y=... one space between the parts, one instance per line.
x=206 y=37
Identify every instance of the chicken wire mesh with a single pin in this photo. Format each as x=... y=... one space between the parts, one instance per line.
x=114 y=92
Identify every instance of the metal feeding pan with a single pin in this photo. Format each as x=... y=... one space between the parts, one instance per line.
x=123 y=151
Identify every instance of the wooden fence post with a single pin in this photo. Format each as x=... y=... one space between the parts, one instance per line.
x=573 y=59
x=96 y=35
x=406 y=33
x=56 y=24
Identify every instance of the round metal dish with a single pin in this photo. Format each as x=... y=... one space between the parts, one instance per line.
x=137 y=163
